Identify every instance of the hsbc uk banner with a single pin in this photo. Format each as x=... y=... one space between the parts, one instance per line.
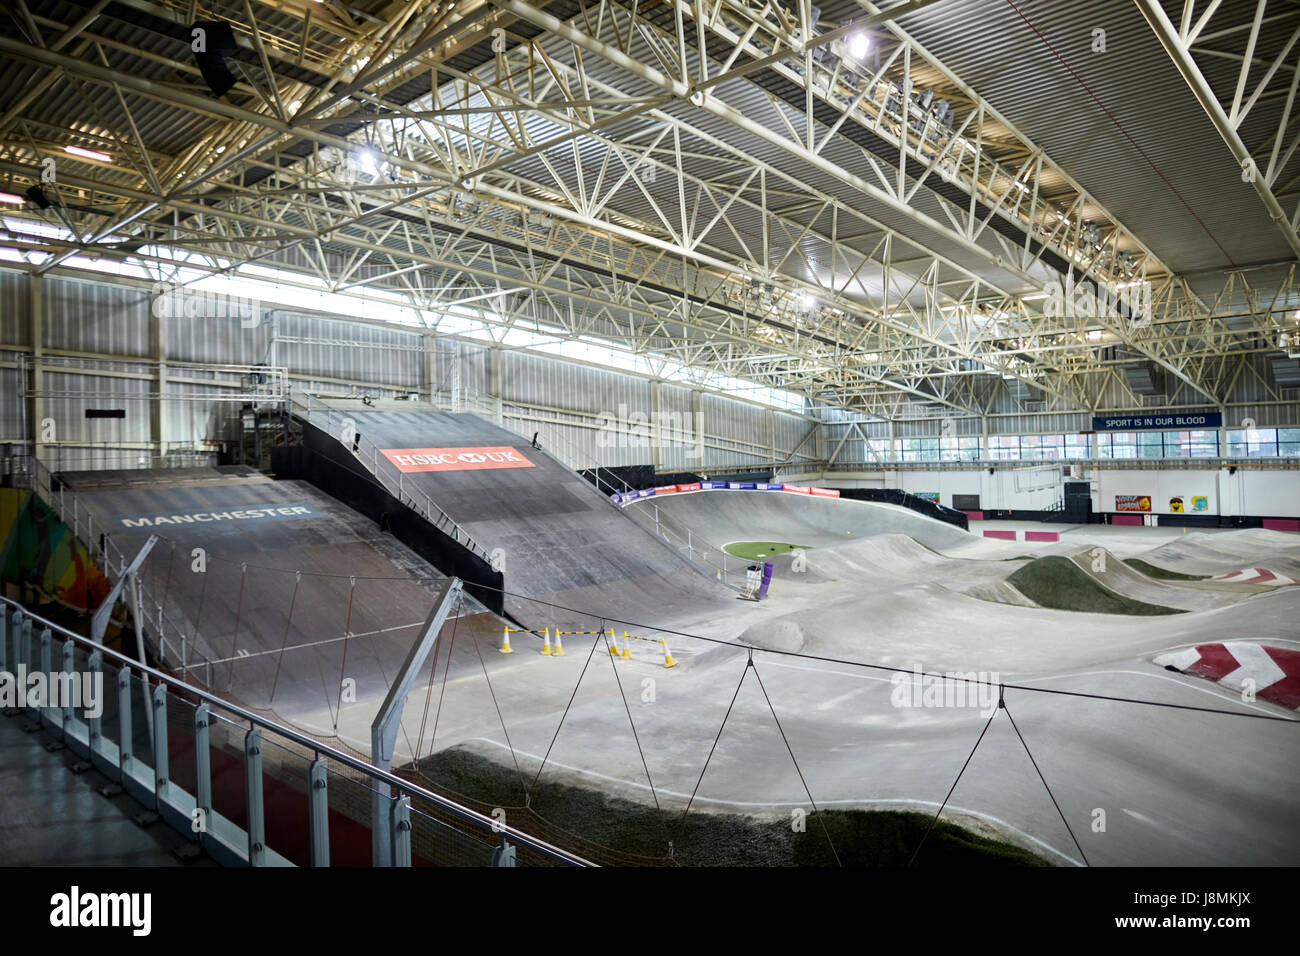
x=455 y=459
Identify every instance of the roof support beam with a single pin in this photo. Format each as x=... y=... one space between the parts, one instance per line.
x=1180 y=52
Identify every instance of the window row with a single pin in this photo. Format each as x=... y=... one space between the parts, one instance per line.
x=1242 y=443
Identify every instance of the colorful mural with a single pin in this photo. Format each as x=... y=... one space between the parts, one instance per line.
x=41 y=551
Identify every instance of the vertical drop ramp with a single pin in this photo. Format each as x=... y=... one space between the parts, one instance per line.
x=551 y=534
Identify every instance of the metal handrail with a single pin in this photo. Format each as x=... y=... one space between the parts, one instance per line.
x=686 y=541
x=400 y=785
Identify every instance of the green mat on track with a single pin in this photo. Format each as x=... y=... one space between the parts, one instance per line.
x=1058 y=583
x=754 y=550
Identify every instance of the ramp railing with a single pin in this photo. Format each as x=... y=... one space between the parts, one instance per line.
x=333 y=422
x=466 y=401
x=174 y=646
x=177 y=714
x=710 y=560
x=679 y=537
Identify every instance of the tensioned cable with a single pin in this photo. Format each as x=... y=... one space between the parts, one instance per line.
x=288 y=623
x=343 y=667
x=831 y=843
x=641 y=625
x=171 y=560
x=572 y=697
x=935 y=821
x=383 y=672
x=1002 y=704
x=635 y=737
x=501 y=717
x=721 y=728
x=428 y=696
x=442 y=693
x=239 y=612
x=894 y=670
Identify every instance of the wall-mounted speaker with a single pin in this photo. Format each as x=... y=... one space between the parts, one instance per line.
x=211 y=41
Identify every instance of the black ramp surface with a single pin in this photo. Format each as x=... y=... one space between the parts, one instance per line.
x=559 y=538
x=272 y=637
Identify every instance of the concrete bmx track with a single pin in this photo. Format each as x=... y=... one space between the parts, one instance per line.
x=837 y=654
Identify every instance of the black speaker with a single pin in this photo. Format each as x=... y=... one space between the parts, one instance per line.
x=218 y=41
x=36 y=195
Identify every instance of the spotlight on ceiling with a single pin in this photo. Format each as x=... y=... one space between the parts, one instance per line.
x=369 y=161
x=88 y=154
x=858 y=45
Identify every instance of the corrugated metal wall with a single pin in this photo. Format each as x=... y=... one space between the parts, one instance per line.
x=14 y=327
x=85 y=316
x=571 y=405
x=11 y=408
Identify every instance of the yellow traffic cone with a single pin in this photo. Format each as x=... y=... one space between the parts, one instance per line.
x=627 y=647
x=546 y=637
x=559 y=648
x=505 y=641
x=613 y=644
x=668 y=655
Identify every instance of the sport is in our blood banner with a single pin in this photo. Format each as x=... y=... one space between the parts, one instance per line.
x=455 y=459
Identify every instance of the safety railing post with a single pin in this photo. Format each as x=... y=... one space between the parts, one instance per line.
x=43 y=711
x=202 y=770
x=94 y=666
x=24 y=654
x=160 y=753
x=124 y=731
x=401 y=817
x=253 y=797
x=318 y=805
x=67 y=715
